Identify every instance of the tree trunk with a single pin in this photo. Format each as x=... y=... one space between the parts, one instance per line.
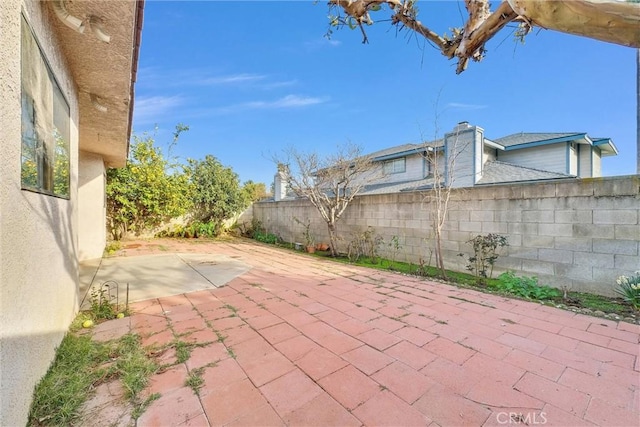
x=333 y=238
x=438 y=250
x=610 y=21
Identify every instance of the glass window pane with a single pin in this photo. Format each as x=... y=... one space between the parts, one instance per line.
x=45 y=123
x=61 y=144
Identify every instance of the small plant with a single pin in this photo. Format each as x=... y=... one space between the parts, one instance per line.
x=101 y=306
x=112 y=247
x=266 y=237
x=395 y=246
x=526 y=287
x=485 y=254
x=629 y=289
x=366 y=244
x=309 y=239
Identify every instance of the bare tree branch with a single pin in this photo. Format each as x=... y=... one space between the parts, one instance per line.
x=329 y=183
x=608 y=20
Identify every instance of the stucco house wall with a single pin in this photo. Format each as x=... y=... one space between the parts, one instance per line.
x=45 y=68
x=92 y=212
x=38 y=239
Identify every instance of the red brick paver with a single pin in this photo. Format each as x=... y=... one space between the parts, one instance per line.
x=304 y=341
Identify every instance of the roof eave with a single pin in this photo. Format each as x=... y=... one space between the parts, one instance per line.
x=569 y=138
x=104 y=73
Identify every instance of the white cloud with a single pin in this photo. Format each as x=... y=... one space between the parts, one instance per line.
x=231 y=79
x=322 y=42
x=276 y=85
x=152 y=108
x=286 y=102
x=462 y=106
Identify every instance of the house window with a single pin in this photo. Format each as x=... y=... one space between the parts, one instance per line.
x=45 y=123
x=395 y=166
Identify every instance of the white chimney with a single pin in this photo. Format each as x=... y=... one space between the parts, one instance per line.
x=280 y=183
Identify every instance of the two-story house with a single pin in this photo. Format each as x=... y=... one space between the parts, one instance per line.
x=466 y=158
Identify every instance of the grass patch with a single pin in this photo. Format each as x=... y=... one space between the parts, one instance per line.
x=544 y=294
x=79 y=365
x=59 y=395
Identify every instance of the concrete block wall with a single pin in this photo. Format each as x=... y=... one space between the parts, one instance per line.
x=580 y=234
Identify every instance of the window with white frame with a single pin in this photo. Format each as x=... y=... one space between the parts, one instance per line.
x=395 y=166
x=45 y=162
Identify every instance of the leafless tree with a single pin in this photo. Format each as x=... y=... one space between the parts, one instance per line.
x=331 y=182
x=608 y=20
x=439 y=195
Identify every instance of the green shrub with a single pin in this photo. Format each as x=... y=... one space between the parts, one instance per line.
x=526 y=287
x=193 y=230
x=365 y=244
x=264 y=237
x=485 y=254
x=629 y=289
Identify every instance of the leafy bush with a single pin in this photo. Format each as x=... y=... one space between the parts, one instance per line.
x=526 y=287
x=485 y=254
x=217 y=194
x=366 y=243
x=148 y=191
x=264 y=237
x=193 y=230
x=629 y=289
x=250 y=230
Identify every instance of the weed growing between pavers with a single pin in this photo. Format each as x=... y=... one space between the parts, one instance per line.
x=183 y=350
x=233 y=309
x=232 y=354
x=139 y=409
x=195 y=380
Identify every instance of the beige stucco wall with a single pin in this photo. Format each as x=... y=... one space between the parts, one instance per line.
x=581 y=234
x=92 y=232
x=38 y=245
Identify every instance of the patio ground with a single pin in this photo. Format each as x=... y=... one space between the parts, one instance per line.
x=307 y=341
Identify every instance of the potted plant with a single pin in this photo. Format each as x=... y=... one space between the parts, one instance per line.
x=309 y=240
x=322 y=246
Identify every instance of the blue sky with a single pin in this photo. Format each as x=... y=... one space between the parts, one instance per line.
x=252 y=78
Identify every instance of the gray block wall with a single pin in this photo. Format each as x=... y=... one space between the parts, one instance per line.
x=580 y=234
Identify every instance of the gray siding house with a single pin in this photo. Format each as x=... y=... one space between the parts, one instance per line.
x=465 y=157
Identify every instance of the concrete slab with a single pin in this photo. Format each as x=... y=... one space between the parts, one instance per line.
x=156 y=276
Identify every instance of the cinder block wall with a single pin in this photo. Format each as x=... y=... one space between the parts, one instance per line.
x=579 y=234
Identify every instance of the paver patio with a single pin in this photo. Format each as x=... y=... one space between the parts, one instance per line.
x=312 y=342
